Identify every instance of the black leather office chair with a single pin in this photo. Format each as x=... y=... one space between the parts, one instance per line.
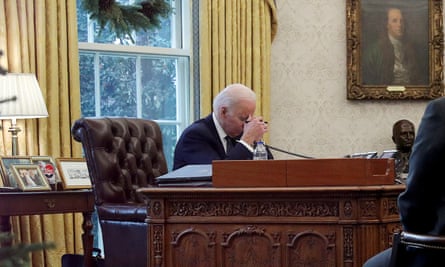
x=418 y=250
x=122 y=154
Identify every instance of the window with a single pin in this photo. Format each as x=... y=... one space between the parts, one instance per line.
x=150 y=78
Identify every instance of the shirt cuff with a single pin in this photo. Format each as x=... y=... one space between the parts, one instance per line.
x=246 y=145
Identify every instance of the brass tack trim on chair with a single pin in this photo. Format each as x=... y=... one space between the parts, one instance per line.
x=423 y=241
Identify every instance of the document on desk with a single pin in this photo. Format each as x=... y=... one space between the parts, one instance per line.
x=189 y=175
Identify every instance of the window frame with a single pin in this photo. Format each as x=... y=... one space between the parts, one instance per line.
x=185 y=98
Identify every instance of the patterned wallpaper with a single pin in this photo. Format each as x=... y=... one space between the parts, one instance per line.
x=310 y=114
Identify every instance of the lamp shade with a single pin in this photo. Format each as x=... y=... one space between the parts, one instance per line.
x=21 y=97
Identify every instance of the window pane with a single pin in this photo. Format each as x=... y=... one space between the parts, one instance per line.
x=159 y=37
x=159 y=88
x=169 y=137
x=117 y=86
x=82 y=23
x=87 y=99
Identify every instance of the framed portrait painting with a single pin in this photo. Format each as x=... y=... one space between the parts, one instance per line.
x=394 y=49
x=30 y=177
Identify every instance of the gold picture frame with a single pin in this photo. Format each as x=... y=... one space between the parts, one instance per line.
x=74 y=173
x=6 y=163
x=367 y=77
x=29 y=177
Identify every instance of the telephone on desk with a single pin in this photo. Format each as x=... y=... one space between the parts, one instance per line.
x=363 y=155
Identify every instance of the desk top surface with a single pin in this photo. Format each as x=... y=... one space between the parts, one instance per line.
x=11 y=192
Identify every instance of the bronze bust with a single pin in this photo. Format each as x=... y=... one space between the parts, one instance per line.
x=403 y=135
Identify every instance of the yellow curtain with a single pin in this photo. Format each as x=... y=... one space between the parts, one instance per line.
x=38 y=36
x=235 y=45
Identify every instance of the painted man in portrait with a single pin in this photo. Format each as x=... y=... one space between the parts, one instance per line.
x=393 y=58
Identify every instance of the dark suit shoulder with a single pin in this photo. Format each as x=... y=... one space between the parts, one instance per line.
x=202 y=127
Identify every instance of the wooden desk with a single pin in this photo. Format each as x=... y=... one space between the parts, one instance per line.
x=50 y=202
x=270 y=227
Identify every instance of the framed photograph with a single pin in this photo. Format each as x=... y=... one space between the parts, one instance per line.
x=7 y=172
x=74 y=173
x=394 y=49
x=48 y=167
x=29 y=177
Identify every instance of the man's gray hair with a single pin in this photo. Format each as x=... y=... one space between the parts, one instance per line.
x=230 y=95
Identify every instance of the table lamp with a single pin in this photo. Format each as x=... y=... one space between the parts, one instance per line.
x=20 y=98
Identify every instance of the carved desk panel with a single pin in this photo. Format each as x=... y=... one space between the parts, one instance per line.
x=270 y=227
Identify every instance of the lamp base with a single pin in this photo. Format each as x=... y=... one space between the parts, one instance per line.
x=14 y=129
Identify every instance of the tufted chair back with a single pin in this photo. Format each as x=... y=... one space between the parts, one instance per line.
x=122 y=154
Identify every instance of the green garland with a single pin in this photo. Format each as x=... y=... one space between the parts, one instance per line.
x=123 y=19
x=19 y=255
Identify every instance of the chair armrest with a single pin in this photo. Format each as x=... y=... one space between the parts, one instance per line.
x=422 y=241
x=123 y=212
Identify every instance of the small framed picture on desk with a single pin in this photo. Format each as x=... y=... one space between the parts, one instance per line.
x=6 y=163
x=74 y=173
x=30 y=177
x=48 y=168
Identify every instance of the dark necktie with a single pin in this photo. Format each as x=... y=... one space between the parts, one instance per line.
x=230 y=143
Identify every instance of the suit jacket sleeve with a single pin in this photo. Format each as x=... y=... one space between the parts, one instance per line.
x=200 y=144
x=422 y=205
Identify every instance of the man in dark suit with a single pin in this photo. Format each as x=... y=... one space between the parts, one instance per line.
x=229 y=133
x=422 y=204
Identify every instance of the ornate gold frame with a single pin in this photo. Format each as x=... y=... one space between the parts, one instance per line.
x=41 y=183
x=357 y=91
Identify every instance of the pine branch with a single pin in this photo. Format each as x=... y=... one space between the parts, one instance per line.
x=18 y=255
